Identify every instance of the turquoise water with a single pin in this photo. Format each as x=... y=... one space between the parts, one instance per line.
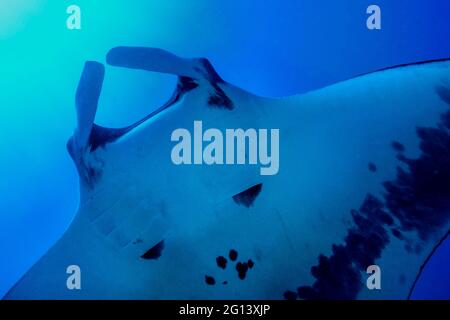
x=273 y=49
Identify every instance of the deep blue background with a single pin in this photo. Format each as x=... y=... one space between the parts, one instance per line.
x=271 y=48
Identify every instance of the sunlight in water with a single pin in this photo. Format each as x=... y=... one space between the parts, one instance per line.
x=14 y=14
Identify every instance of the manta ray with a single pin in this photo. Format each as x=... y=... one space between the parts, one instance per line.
x=364 y=179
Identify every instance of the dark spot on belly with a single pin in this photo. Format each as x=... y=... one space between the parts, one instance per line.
x=221 y=262
x=250 y=263
x=225 y=282
x=397 y=146
x=247 y=197
x=154 y=252
x=233 y=255
x=290 y=295
x=372 y=167
x=210 y=280
x=242 y=269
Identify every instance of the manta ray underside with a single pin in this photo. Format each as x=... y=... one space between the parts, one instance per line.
x=364 y=179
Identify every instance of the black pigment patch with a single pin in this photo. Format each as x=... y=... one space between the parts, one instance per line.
x=418 y=198
x=247 y=197
x=290 y=295
x=186 y=84
x=225 y=282
x=221 y=262
x=233 y=255
x=219 y=98
x=338 y=276
x=154 y=252
x=420 y=195
x=242 y=268
x=250 y=263
x=397 y=146
x=210 y=280
x=372 y=167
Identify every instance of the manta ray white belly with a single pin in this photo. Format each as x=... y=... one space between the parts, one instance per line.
x=358 y=184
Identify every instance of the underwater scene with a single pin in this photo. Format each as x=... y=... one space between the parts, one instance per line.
x=225 y=150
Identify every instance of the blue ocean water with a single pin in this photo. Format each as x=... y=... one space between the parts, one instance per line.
x=275 y=48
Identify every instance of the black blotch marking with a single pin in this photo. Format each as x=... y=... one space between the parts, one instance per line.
x=397 y=146
x=154 y=252
x=221 y=262
x=250 y=263
x=444 y=93
x=233 y=255
x=210 y=280
x=418 y=198
x=219 y=98
x=186 y=84
x=247 y=197
x=290 y=295
x=225 y=282
x=372 y=167
x=396 y=233
x=242 y=268
x=338 y=276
